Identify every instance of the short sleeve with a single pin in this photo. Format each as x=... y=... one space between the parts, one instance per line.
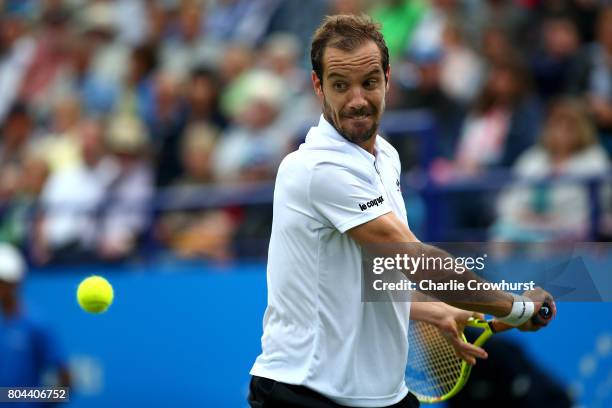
x=344 y=197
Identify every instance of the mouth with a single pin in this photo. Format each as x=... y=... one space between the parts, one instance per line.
x=359 y=118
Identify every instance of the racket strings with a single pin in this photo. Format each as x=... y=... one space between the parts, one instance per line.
x=433 y=368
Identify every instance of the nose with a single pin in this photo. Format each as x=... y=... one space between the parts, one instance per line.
x=357 y=99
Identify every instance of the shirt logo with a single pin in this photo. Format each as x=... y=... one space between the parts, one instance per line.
x=373 y=203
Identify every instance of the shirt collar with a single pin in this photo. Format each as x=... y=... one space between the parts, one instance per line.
x=326 y=129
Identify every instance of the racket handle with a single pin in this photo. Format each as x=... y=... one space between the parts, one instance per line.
x=544 y=314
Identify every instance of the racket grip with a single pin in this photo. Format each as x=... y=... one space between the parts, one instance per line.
x=543 y=315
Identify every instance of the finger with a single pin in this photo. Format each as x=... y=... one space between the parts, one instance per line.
x=553 y=306
x=530 y=327
x=467 y=358
x=478 y=316
x=470 y=349
x=471 y=360
x=539 y=324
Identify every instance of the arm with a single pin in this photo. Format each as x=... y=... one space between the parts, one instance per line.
x=388 y=229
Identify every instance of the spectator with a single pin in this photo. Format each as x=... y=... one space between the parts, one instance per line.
x=203 y=233
x=428 y=33
x=551 y=63
x=138 y=96
x=399 y=19
x=97 y=22
x=16 y=53
x=251 y=148
x=239 y=21
x=166 y=125
x=218 y=63
x=347 y=6
x=196 y=152
x=16 y=134
x=417 y=85
x=17 y=215
x=100 y=208
x=568 y=147
x=280 y=55
x=15 y=141
x=505 y=16
x=292 y=18
x=70 y=203
x=96 y=93
x=158 y=17
x=501 y=125
x=125 y=212
x=237 y=59
x=582 y=13
x=592 y=78
x=131 y=21
x=28 y=347
x=497 y=46
x=203 y=92
x=462 y=69
x=61 y=145
x=190 y=47
x=48 y=61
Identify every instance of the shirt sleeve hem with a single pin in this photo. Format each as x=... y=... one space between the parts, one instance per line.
x=362 y=219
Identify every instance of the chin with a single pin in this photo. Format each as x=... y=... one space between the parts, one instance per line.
x=359 y=136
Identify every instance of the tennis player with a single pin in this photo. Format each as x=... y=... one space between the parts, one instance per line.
x=322 y=346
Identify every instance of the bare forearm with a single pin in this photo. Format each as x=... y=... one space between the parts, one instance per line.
x=388 y=237
x=425 y=308
x=493 y=302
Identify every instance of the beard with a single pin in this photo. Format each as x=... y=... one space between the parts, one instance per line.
x=354 y=135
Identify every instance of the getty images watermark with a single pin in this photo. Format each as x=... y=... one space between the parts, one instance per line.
x=410 y=265
x=576 y=272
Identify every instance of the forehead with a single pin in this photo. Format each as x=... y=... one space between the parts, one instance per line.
x=361 y=60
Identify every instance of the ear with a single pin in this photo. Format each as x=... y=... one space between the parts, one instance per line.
x=317 y=85
x=388 y=78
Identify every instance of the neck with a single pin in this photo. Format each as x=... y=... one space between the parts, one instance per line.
x=368 y=145
x=560 y=157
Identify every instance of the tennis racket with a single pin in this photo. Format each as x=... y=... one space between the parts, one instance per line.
x=434 y=373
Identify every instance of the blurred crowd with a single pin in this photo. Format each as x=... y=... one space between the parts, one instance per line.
x=105 y=103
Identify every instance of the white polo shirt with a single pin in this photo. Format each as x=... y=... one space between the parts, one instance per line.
x=317 y=331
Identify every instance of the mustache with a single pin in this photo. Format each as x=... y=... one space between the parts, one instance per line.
x=363 y=111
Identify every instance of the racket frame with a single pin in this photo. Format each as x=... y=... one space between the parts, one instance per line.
x=487 y=331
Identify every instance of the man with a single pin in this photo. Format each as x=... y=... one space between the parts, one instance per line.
x=27 y=348
x=322 y=345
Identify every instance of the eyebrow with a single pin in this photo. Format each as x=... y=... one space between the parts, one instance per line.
x=335 y=74
x=375 y=71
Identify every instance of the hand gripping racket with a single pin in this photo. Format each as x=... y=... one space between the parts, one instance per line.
x=434 y=373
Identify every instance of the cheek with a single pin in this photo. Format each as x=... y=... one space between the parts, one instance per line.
x=378 y=102
x=333 y=104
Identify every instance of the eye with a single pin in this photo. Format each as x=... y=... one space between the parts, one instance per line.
x=370 y=83
x=339 y=86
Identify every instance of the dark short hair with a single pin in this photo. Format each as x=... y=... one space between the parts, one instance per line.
x=346 y=32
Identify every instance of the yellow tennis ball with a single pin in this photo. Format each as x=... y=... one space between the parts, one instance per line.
x=95 y=294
